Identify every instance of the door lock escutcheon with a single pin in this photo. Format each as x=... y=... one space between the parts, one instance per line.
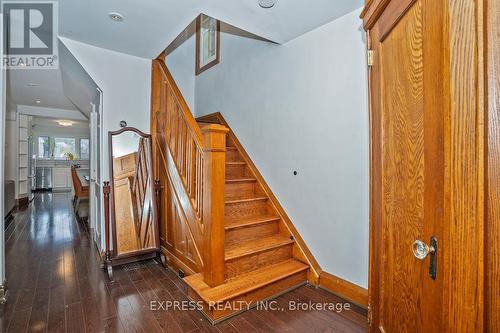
x=422 y=250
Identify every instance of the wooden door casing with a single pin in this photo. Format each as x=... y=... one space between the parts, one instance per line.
x=492 y=240
x=427 y=159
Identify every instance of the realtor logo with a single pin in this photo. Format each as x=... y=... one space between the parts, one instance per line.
x=30 y=34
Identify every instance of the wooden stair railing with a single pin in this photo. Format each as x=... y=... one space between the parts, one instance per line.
x=190 y=164
x=220 y=224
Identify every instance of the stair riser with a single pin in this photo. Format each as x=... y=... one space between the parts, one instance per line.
x=236 y=171
x=244 y=209
x=233 y=156
x=242 y=265
x=252 y=232
x=242 y=303
x=233 y=190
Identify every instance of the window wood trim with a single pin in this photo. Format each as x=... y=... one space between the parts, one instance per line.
x=201 y=69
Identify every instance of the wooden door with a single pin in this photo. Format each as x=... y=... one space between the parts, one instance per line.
x=426 y=165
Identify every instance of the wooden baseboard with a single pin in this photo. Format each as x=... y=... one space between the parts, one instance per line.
x=22 y=203
x=344 y=289
x=175 y=263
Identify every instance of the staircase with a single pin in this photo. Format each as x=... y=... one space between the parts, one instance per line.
x=259 y=262
x=220 y=224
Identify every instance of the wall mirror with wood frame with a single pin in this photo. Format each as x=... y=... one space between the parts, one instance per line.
x=133 y=197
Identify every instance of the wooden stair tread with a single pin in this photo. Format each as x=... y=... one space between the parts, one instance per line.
x=241 y=180
x=245 y=248
x=232 y=223
x=236 y=163
x=231 y=148
x=246 y=198
x=245 y=283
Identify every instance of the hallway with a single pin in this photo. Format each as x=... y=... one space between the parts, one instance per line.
x=55 y=285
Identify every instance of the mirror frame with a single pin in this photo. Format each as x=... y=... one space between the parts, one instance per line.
x=138 y=253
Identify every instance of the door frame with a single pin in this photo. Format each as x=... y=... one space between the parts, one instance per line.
x=95 y=184
x=3 y=114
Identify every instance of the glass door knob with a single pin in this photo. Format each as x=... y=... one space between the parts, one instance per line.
x=421 y=250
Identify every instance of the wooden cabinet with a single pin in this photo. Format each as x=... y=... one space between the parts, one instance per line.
x=431 y=102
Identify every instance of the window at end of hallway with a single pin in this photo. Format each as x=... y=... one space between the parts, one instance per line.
x=43 y=147
x=63 y=146
x=84 y=149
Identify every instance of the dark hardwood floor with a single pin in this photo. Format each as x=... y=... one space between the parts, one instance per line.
x=55 y=285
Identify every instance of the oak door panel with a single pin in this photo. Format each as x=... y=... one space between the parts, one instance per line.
x=403 y=172
x=407 y=188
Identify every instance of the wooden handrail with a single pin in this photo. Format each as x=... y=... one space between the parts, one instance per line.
x=196 y=157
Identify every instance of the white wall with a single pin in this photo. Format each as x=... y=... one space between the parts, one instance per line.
x=126 y=84
x=303 y=106
x=181 y=64
x=48 y=112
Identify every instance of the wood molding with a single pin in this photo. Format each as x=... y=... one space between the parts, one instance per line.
x=391 y=16
x=345 y=289
x=305 y=252
x=464 y=179
x=201 y=69
x=22 y=203
x=175 y=263
x=492 y=174
x=372 y=11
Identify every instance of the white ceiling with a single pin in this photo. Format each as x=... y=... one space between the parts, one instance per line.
x=150 y=25
x=53 y=122
x=48 y=90
x=79 y=87
x=37 y=111
x=67 y=88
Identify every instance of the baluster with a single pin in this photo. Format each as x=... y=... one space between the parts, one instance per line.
x=199 y=182
x=184 y=151
x=192 y=165
x=189 y=161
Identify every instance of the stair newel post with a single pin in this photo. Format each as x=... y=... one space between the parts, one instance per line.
x=214 y=169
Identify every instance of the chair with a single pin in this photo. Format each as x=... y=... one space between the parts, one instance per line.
x=81 y=192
